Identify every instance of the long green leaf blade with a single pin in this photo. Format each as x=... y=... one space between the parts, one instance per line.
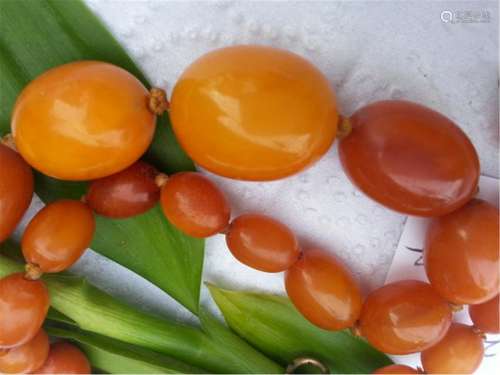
x=38 y=35
x=213 y=348
x=274 y=326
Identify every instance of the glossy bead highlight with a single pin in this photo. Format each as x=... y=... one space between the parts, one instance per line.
x=65 y=358
x=26 y=358
x=485 y=316
x=58 y=235
x=253 y=112
x=461 y=254
x=194 y=204
x=128 y=193
x=324 y=290
x=404 y=317
x=16 y=190
x=262 y=242
x=410 y=158
x=23 y=307
x=461 y=351
x=82 y=121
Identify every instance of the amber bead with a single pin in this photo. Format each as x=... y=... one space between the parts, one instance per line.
x=65 y=358
x=461 y=254
x=23 y=307
x=410 y=158
x=324 y=290
x=459 y=352
x=396 y=369
x=26 y=358
x=83 y=120
x=485 y=315
x=58 y=235
x=404 y=317
x=194 y=204
x=254 y=112
x=262 y=242
x=128 y=193
x=16 y=190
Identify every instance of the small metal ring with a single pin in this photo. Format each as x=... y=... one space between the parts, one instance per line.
x=302 y=361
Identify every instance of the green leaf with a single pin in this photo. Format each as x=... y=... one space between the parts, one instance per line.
x=213 y=347
x=271 y=324
x=38 y=35
x=117 y=357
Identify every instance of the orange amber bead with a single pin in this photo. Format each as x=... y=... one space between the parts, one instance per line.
x=58 y=235
x=23 y=307
x=485 y=316
x=26 y=358
x=16 y=190
x=404 y=317
x=194 y=204
x=65 y=358
x=461 y=254
x=459 y=352
x=253 y=112
x=324 y=290
x=396 y=369
x=262 y=243
x=410 y=158
x=128 y=193
x=83 y=120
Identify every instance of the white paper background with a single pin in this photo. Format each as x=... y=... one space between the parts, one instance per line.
x=370 y=51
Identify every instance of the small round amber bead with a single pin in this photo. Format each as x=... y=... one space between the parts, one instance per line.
x=65 y=358
x=404 y=317
x=58 y=235
x=461 y=254
x=485 y=316
x=23 y=307
x=262 y=242
x=194 y=204
x=16 y=190
x=324 y=290
x=26 y=358
x=128 y=193
x=461 y=351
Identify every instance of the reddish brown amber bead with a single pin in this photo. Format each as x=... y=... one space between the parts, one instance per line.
x=194 y=204
x=58 y=235
x=16 y=190
x=324 y=290
x=396 y=369
x=485 y=315
x=130 y=192
x=410 y=158
x=461 y=254
x=26 y=358
x=404 y=317
x=65 y=358
x=23 y=307
x=459 y=352
x=262 y=243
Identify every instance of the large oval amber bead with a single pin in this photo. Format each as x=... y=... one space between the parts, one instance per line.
x=410 y=158
x=83 y=120
x=324 y=290
x=253 y=112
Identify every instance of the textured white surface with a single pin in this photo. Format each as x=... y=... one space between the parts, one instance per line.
x=370 y=51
